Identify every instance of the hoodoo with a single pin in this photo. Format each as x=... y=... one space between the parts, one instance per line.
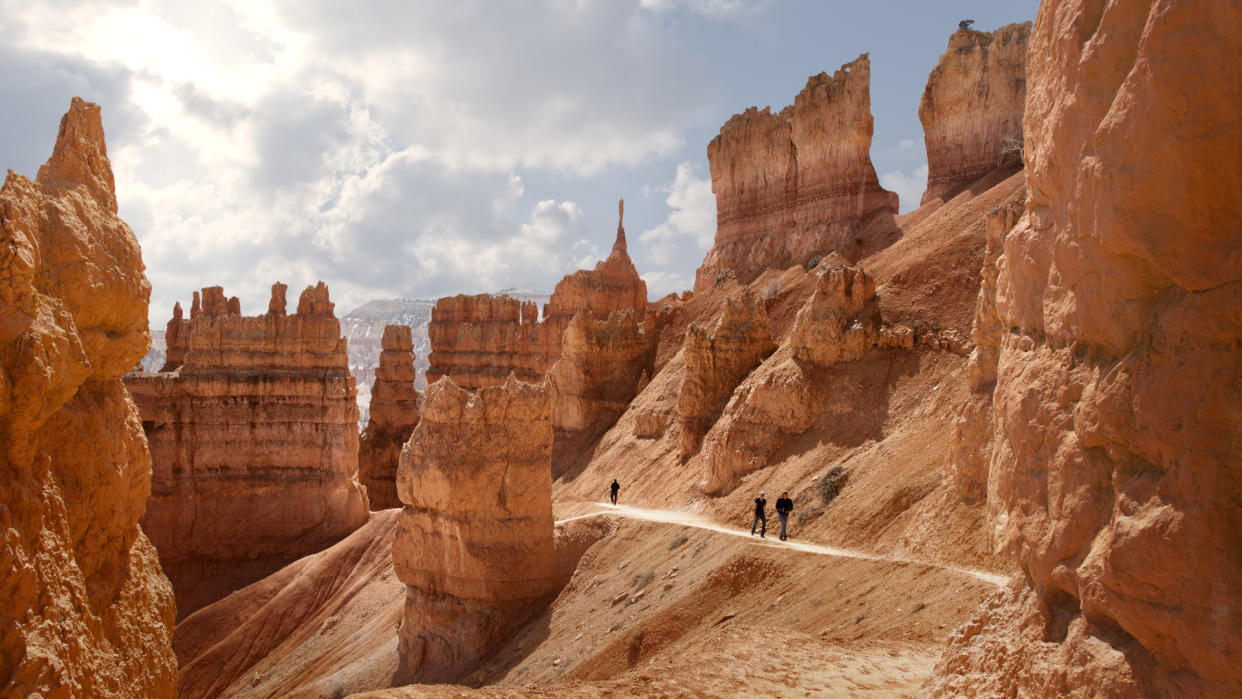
x=972 y=108
x=87 y=611
x=393 y=415
x=800 y=183
x=254 y=443
x=475 y=541
x=1113 y=469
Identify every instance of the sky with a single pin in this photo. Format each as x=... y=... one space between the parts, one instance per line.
x=424 y=149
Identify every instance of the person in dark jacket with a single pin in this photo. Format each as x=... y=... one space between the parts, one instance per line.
x=614 y=488
x=783 y=507
x=761 y=504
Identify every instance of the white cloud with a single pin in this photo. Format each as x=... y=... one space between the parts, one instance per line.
x=693 y=218
x=661 y=284
x=909 y=188
x=710 y=8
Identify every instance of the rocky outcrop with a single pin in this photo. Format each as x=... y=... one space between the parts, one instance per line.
x=394 y=413
x=601 y=367
x=832 y=327
x=1113 y=476
x=254 y=444
x=87 y=611
x=972 y=433
x=799 y=183
x=480 y=340
x=716 y=361
x=972 y=108
x=475 y=546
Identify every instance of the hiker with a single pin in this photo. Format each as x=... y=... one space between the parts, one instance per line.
x=761 y=504
x=614 y=488
x=783 y=507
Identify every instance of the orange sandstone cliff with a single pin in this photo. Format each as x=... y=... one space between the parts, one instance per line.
x=972 y=108
x=799 y=183
x=254 y=444
x=393 y=415
x=87 y=611
x=479 y=340
x=1113 y=472
x=475 y=541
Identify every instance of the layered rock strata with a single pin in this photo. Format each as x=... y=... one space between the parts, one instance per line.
x=393 y=415
x=480 y=340
x=716 y=361
x=1113 y=473
x=798 y=183
x=254 y=444
x=87 y=611
x=475 y=546
x=972 y=108
x=600 y=371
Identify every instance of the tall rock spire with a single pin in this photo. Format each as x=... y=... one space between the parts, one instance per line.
x=81 y=156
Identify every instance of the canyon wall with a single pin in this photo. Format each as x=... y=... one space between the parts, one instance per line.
x=254 y=444
x=393 y=415
x=87 y=611
x=1114 y=475
x=479 y=340
x=972 y=108
x=475 y=541
x=799 y=183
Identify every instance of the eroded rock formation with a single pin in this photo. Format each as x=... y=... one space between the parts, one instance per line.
x=475 y=546
x=393 y=415
x=798 y=183
x=254 y=444
x=87 y=611
x=479 y=340
x=1114 y=473
x=716 y=361
x=601 y=367
x=972 y=108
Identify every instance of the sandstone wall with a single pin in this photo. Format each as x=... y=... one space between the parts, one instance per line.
x=393 y=415
x=479 y=340
x=475 y=545
x=254 y=444
x=87 y=611
x=972 y=108
x=716 y=361
x=798 y=183
x=1114 y=473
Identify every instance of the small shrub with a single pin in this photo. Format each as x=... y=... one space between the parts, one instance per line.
x=814 y=262
x=681 y=539
x=642 y=580
x=918 y=607
x=832 y=482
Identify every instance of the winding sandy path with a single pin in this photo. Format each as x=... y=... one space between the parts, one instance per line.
x=691 y=519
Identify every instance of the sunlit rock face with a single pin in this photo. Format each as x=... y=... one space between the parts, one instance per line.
x=393 y=415
x=1113 y=474
x=972 y=108
x=799 y=183
x=475 y=545
x=254 y=443
x=479 y=340
x=87 y=610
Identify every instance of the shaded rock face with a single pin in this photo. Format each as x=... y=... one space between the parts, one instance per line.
x=394 y=413
x=479 y=340
x=798 y=183
x=1114 y=472
x=475 y=546
x=716 y=361
x=254 y=444
x=972 y=108
x=601 y=368
x=87 y=611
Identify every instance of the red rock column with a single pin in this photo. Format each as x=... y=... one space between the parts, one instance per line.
x=475 y=547
x=394 y=413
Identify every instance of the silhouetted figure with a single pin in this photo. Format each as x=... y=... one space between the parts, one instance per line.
x=761 y=516
x=615 y=487
x=783 y=507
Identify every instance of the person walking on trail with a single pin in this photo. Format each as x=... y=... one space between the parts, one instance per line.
x=783 y=507
x=614 y=488
x=761 y=517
